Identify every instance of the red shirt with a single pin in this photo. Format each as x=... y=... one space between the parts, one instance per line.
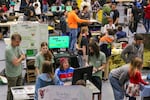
x=4 y=9
x=147 y=12
x=136 y=79
x=44 y=2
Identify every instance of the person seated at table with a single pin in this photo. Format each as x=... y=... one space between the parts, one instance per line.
x=4 y=7
x=64 y=72
x=110 y=25
x=46 y=78
x=3 y=18
x=32 y=16
x=121 y=36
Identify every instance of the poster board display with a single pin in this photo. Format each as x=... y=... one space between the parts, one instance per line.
x=32 y=34
x=64 y=93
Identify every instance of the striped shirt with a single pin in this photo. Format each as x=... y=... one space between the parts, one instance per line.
x=64 y=75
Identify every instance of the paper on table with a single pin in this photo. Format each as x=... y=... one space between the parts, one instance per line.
x=93 y=20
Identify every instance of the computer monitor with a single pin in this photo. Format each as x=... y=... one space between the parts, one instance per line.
x=68 y=8
x=56 y=8
x=31 y=52
x=83 y=73
x=53 y=8
x=58 y=42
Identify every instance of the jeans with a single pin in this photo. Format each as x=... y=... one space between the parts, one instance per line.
x=73 y=39
x=147 y=24
x=81 y=61
x=117 y=88
x=45 y=8
x=13 y=81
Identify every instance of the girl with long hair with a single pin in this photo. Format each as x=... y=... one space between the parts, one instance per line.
x=46 y=78
x=43 y=55
x=135 y=78
x=98 y=60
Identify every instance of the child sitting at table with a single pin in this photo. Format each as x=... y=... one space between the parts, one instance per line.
x=46 y=78
x=64 y=72
x=135 y=78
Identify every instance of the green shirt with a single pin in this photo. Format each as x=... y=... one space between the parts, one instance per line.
x=106 y=11
x=10 y=54
x=39 y=61
x=97 y=62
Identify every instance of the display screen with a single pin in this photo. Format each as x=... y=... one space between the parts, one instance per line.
x=58 y=42
x=31 y=52
x=54 y=8
x=68 y=8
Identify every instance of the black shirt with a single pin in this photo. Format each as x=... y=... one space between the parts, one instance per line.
x=84 y=42
x=114 y=14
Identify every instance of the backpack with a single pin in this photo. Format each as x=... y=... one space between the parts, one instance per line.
x=106 y=49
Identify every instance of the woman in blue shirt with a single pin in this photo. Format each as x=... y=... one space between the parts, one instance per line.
x=46 y=78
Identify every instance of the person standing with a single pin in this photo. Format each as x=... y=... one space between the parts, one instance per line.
x=82 y=47
x=147 y=17
x=73 y=21
x=133 y=50
x=133 y=88
x=85 y=14
x=95 y=8
x=114 y=14
x=43 y=55
x=63 y=23
x=106 y=12
x=85 y=3
x=118 y=77
x=135 y=17
x=97 y=59
x=14 y=56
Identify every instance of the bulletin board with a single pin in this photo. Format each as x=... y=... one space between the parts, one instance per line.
x=32 y=34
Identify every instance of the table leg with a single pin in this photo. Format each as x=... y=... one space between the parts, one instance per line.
x=99 y=96
x=93 y=97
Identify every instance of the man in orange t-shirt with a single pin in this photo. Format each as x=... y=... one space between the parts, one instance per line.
x=73 y=21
